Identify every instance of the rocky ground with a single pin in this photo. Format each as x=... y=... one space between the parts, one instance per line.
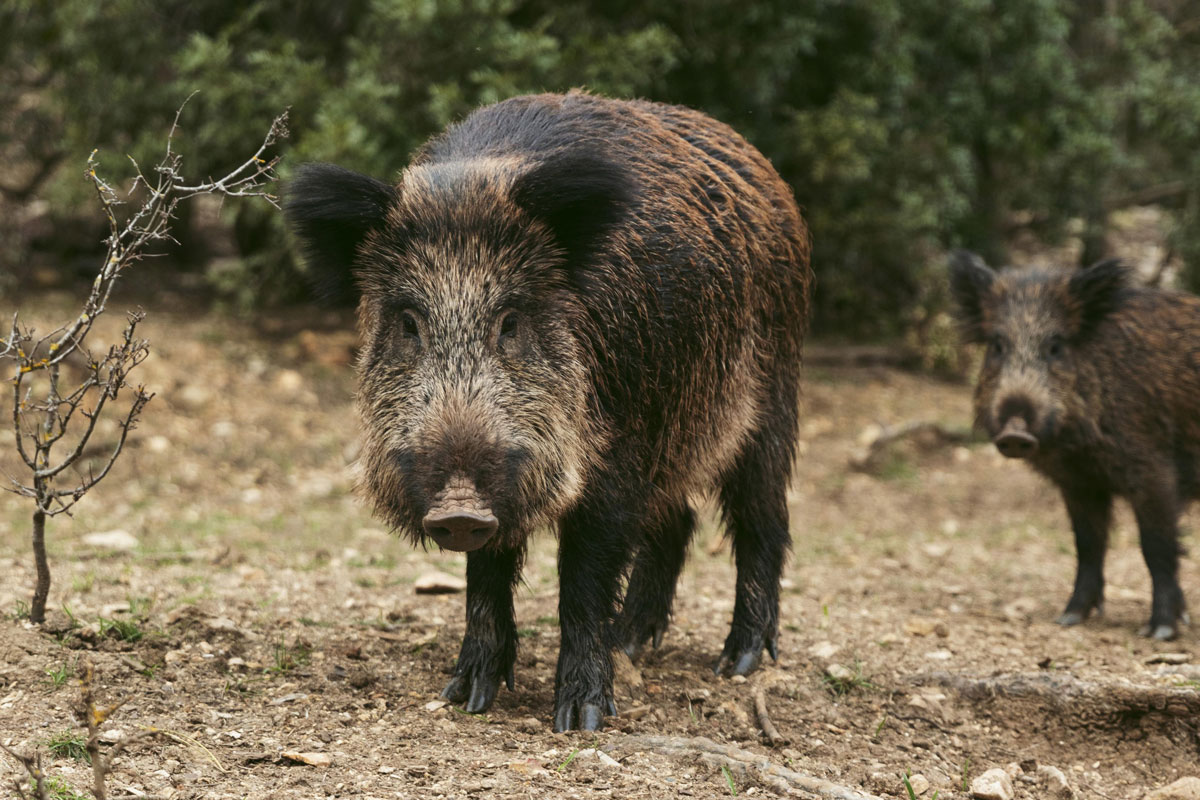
x=246 y=607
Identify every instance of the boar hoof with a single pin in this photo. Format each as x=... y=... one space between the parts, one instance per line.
x=1162 y=633
x=635 y=641
x=572 y=716
x=475 y=689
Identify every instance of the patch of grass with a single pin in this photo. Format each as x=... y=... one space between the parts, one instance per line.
x=69 y=744
x=20 y=611
x=729 y=780
x=897 y=467
x=567 y=761
x=309 y=622
x=61 y=675
x=364 y=582
x=126 y=630
x=139 y=607
x=72 y=620
x=966 y=776
x=289 y=657
x=525 y=633
x=843 y=686
x=83 y=583
x=548 y=620
x=58 y=789
x=882 y=721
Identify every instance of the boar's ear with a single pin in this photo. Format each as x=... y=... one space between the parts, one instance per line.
x=970 y=281
x=1095 y=292
x=580 y=196
x=331 y=210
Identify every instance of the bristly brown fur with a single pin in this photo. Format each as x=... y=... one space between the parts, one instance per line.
x=590 y=310
x=1107 y=377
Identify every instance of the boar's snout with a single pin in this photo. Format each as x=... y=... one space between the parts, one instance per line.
x=462 y=531
x=1015 y=440
x=459 y=518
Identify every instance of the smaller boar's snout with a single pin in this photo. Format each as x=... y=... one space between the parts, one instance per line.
x=1015 y=440
x=461 y=530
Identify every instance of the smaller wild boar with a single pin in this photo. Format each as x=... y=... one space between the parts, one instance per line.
x=1097 y=384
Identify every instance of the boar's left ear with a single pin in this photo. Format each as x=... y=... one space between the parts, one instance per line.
x=580 y=196
x=970 y=281
x=1097 y=291
x=331 y=210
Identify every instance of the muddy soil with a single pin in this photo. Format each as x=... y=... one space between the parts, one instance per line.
x=259 y=616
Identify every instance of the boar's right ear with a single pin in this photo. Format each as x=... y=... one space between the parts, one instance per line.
x=580 y=196
x=970 y=280
x=331 y=210
x=1096 y=292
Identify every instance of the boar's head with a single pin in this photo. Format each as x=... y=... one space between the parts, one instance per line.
x=1037 y=328
x=476 y=385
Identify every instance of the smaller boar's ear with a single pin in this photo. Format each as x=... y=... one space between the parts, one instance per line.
x=331 y=210
x=579 y=195
x=970 y=280
x=1096 y=292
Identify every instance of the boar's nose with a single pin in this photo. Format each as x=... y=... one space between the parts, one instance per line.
x=1015 y=440
x=460 y=530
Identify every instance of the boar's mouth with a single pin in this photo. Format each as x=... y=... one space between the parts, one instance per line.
x=1015 y=439
x=459 y=518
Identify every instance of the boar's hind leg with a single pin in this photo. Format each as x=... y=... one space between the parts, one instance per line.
x=647 y=607
x=1090 y=511
x=1157 y=518
x=489 y=648
x=754 y=501
x=593 y=550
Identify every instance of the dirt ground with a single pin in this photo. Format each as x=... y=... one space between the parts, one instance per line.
x=258 y=610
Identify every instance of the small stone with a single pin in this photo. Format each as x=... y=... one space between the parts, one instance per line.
x=439 y=583
x=436 y=705
x=920 y=626
x=823 y=650
x=992 y=785
x=1054 y=782
x=288 y=383
x=385 y=770
x=1183 y=789
x=111 y=540
x=919 y=784
x=111 y=736
x=192 y=397
x=738 y=679
x=839 y=672
x=312 y=759
x=158 y=444
x=1013 y=770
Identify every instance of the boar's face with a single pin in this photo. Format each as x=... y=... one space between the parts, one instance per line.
x=1036 y=327
x=474 y=380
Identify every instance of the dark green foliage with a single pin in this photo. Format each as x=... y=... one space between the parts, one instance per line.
x=905 y=126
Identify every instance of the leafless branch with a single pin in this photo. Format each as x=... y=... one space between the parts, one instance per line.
x=45 y=409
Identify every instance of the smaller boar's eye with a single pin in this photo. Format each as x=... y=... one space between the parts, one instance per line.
x=410 y=327
x=996 y=347
x=507 y=337
x=1055 y=347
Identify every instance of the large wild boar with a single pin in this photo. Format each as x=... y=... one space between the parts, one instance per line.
x=576 y=312
x=1097 y=384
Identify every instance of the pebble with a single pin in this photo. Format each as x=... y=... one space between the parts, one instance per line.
x=919 y=784
x=1169 y=658
x=992 y=785
x=529 y=725
x=439 y=583
x=823 y=650
x=1183 y=789
x=312 y=759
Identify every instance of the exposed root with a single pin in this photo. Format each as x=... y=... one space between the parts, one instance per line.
x=1063 y=692
x=867 y=459
x=741 y=763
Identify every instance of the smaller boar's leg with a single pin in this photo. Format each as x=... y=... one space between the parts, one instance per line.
x=1091 y=513
x=489 y=648
x=593 y=550
x=754 y=500
x=1156 y=513
x=647 y=608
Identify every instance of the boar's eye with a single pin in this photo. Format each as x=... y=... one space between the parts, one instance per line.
x=410 y=328
x=997 y=346
x=1055 y=347
x=508 y=333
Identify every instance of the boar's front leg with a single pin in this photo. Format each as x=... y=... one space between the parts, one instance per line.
x=1157 y=510
x=1090 y=510
x=489 y=648
x=647 y=607
x=592 y=552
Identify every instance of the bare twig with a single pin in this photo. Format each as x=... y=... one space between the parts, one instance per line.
x=879 y=440
x=37 y=778
x=770 y=732
x=44 y=410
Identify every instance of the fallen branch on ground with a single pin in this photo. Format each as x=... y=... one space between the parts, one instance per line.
x=742 y=763
x=867 y=459
x=770 y=732
x=1067 y=693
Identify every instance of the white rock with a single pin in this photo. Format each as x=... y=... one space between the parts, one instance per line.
x=1054 y=782
x=439 y=583
x=992 y=785
x=1183 y=789
x=919 y=784
x=823 y=650
x=111 y=540
x=839 y=672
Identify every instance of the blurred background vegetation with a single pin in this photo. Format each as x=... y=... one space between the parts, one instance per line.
x=906 y=127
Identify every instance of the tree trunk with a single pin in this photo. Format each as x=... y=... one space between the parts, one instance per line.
x=37 y=612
